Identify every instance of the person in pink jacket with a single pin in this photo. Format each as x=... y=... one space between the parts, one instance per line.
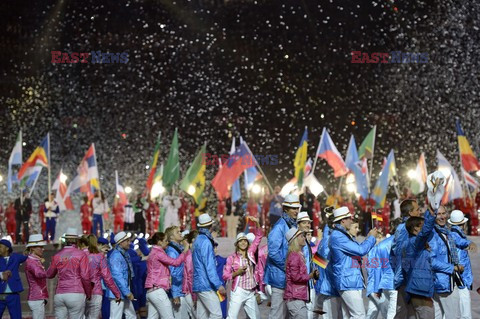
x=240 y=269
x=297 y=276
x=71 y=266
x=260 y=269
x=36 y=276
x=98 y=270
x=187 y=285
x=158 y=280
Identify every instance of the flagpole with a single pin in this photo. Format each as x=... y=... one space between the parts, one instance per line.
x=463 y=177
x=258 y=166
x=21 y=160
x=49 y=168
x=371 y=160
x=316 y=154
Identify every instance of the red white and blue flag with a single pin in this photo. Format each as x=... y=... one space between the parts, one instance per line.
x=87 y=177
x=122 y=196
x=328 y=151
x=63 y=200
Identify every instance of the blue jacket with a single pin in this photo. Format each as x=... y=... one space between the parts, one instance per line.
x=379 y=269
x=417 y=261
x=176 y=273
x=324 y=284
x=120 y=271
x=462 y=243
x=400 y=237
x=307 y=253
x=14 y=282
x=277 y=255
x=441 y=264
x=205 y=277
x=343 y=249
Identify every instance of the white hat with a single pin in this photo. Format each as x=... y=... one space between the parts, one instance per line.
x=241 y=236
x=457 y=218
x=292 y=200
x=251 y=237
x=71 y=233
x=292 y=233
x=204 y=220
x=185 y=232
x=36 y=240
x=341 y=213
x=121 y=236
x=303 y=216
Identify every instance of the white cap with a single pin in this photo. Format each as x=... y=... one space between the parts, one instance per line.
x=121 y=236
x=292 y=233
x=457 y=218
x=36 y=240
x=204 y=220
x=341 y=213
x=303 y=216
x=71 y=233
x=251 y=237
x=292 y=200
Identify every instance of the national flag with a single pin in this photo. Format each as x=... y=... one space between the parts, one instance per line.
x=30 y=178
x=122 y=196
x=301 y=158
x=469 y=160
x=241 y=160
x=313 y=184
x=194 y=181
x=418 y=181
x=308 y=166
x=171 y=171
x=87 y=179
x=470 y=180
x=320 y=261
x=63 y=199
x=373 y=214
x=14 y=159
x=220 y=296
x=355 y=166
x=154 y=165
x=328 y=151
x=250 y=176
x=368 y=145
x=377 y=216
x=235 y=190
x=453 y=189
x=39 y=157
x=380 y=191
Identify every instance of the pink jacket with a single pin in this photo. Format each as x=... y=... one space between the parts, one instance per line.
x=187 y=285
x=233 y=261
x=158 y=274
x=36 y=278
x=260 y=268
x=73 y=269
x=297 y=277
x=99 y=270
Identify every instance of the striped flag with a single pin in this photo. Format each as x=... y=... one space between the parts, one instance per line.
x=87 y=179
x=469 y=160
x=122 y=196
x=453 y=189
x=301 y=158
x=63 y=200
x=470 y=180
x=15 y=159
x=39 y=157
x=418 y=181
x=153 y=167
x=328 y=151
x=320 y=261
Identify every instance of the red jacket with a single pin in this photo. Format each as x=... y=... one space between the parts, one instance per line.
x=297 y=277
x=86 y=211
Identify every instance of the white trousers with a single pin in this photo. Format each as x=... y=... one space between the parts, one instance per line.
x=70 y=305
x=353 y=302
x=208 y=305
x=38 y=308
x=447 y=304
x=189 y=304
x=331 y=305
x=465 y=303
x=278 y=309
x=297 y=309
x=386 y=305
x=159 y=306
x=93 y=307
x=123 y=307
x=311 y=304
x=243 y=298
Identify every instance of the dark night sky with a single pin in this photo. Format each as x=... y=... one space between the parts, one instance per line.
x=263 y=70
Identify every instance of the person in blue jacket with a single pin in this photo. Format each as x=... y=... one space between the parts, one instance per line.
x=381 y=293
x=346 y=254
x=328 y=298
x=417 y=265
x=139 y=264
x=408 y=208
x=220 y=262
x=446 y=267
x=175 y=249
x=274 y=276
x=206 y=282
x=11 y=284
x=458 y=224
